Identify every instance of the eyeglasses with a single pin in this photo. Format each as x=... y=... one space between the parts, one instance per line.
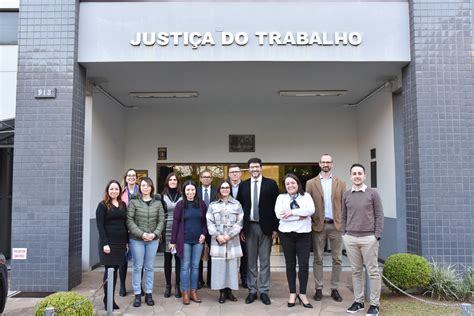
x=225 y=188
x=206 y=177
x=232 y=172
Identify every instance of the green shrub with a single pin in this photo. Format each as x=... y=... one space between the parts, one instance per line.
x=61 y=300
x=469 y=278
x=407 y=271
x=466 y=288
x=444 y=283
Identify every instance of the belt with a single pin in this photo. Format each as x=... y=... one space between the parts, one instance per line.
x=254 y=222
x=328 y=221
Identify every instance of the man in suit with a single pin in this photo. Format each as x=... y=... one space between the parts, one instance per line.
x=207 y=193
x=258 y=196
x=326 y=191
x=235 y=174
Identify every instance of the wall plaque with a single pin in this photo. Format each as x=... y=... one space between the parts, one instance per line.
x=162 y=153
x=241 y=143
x=45 y=93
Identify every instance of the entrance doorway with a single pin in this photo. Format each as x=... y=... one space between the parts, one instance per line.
x=6 y=171
x=219 y=171
x=275 y=171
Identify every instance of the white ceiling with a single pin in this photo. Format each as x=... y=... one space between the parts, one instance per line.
x=241 y=83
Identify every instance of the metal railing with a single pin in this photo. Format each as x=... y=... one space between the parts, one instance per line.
x=51 y=311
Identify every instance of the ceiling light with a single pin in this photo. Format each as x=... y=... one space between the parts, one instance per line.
x=169 y=94
x=312 y=93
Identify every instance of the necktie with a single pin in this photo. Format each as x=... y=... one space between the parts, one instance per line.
x=256 y=215
x=206 y=197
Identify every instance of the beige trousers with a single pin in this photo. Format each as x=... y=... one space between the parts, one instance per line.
x=364 y=251
x=319 y=241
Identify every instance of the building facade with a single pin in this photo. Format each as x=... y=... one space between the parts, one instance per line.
x=102 y=85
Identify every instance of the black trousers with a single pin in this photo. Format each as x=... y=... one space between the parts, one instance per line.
x=168 y=267
x=296 y=246
x=243 y=263
x=209 y=266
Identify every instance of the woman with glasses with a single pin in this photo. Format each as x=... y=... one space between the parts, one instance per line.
x=130 y=188
x=294 y=209
x=224 y=222
x=187 y=239
x=171 y=196
x=111 y=215
x=145 y=221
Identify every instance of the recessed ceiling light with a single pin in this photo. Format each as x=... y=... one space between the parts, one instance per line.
x=312 y=93
x=165 y=94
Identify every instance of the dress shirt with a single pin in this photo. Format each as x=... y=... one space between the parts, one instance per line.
x=294 y=223
x=363 y=188
x=259 y=185
x=327 y=191
x=235 y=190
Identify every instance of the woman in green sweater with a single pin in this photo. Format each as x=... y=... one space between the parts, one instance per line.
x=145 y=220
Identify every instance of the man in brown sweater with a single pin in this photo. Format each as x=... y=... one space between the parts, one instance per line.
x=362 y=224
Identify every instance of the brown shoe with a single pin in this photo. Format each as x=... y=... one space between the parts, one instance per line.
x=194 y=296
x=335 y=295
x=185 y=297
x=318 y=295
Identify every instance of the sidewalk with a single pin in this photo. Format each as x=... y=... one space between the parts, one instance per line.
x=173 y=306
x=209 y=306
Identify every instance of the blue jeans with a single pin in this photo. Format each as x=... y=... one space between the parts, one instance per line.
x=143 y=253
x=190 y=261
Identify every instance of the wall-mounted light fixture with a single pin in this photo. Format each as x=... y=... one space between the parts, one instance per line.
x=165 y=94
x=312 y=93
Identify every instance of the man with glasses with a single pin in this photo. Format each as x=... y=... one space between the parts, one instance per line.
x=258 y=196
x=234 y=175
x=327 y=191
x=207 y=193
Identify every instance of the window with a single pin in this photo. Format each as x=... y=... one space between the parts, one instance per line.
x=8 y=28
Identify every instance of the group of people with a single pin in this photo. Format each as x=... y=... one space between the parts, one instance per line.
x=237 y=221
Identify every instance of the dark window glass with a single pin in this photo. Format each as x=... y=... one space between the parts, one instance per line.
x=8 y=28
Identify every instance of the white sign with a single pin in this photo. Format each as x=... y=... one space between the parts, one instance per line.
x=197 y=39
x=19 y=253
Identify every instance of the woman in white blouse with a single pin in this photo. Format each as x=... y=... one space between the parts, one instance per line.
x=294 y=210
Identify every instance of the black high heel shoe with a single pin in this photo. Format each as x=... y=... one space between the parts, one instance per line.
x=301 y=302
x=294 y=303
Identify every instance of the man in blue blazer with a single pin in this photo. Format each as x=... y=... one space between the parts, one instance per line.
x=258 y=196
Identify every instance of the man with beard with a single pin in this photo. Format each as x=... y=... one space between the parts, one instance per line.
x=258 y=196
x=362 y=224
x=326 y=191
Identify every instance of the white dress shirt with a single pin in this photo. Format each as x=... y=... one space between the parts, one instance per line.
x=295 y=223
x=327 y=192
x=259 y=185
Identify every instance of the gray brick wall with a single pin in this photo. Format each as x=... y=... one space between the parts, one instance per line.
x=48 y=161
x=438 y=102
